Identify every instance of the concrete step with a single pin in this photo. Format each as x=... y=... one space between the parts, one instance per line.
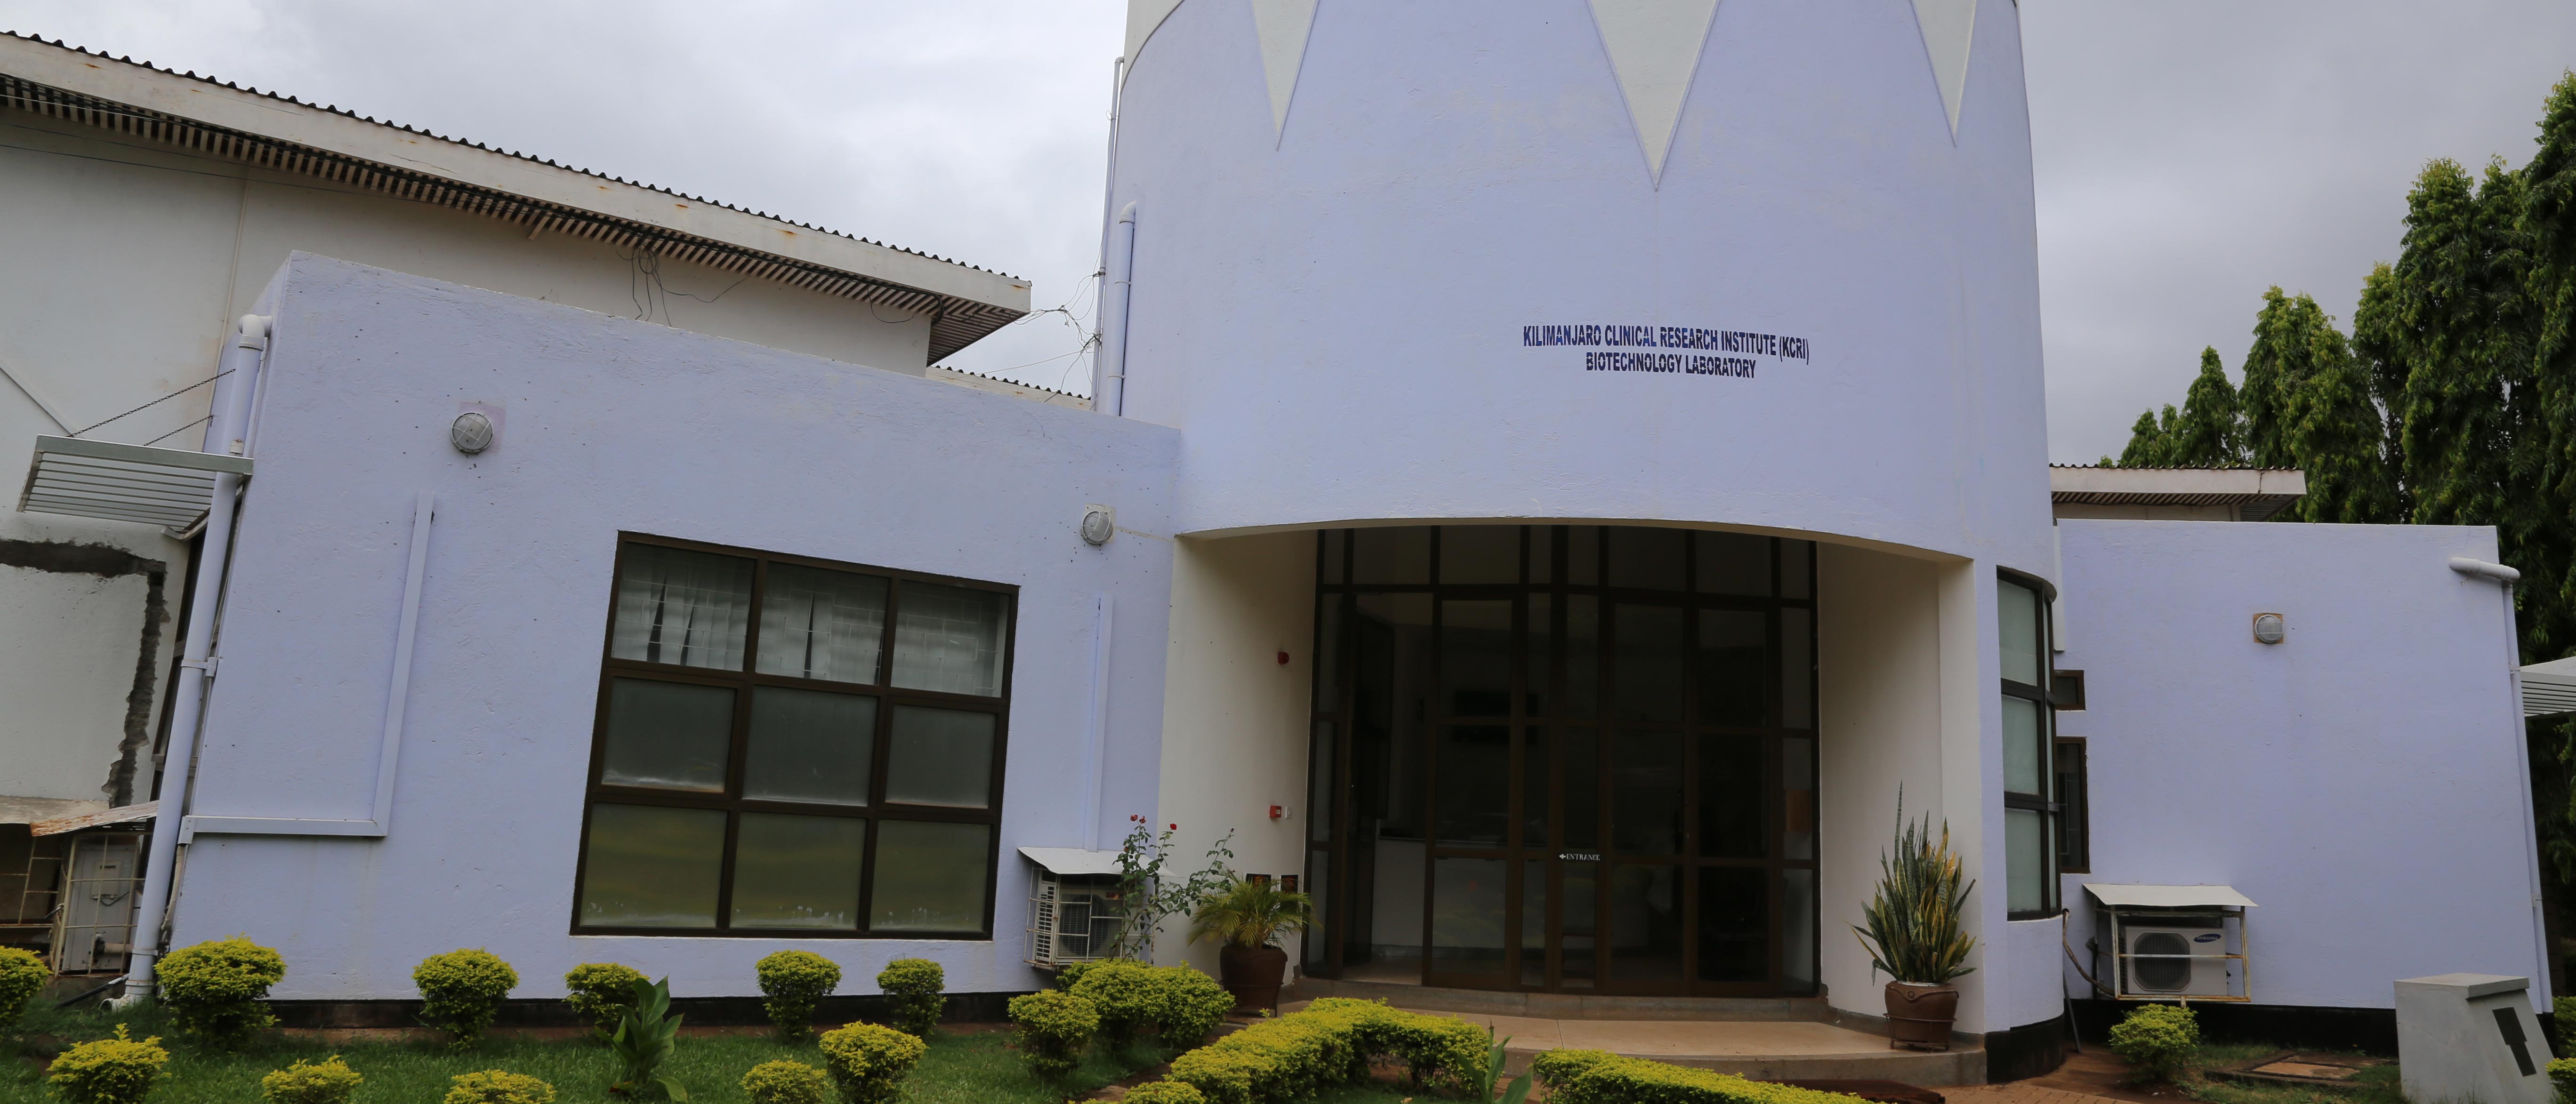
x=1568 y=1006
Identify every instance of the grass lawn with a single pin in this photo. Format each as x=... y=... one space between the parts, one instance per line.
x=961 y=1068
x=2376 y=1085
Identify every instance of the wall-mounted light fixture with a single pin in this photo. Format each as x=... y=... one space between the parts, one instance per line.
x=1099 y=523
x=471 y=433
x=2269 y=628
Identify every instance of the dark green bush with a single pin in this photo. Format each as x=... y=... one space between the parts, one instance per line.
x=796 y=983
x=1055 y=1028
x=217 y=991
x=600 y=993
x=461 y=992
x=914 y=989
x=869 y=1062
x=2162 y=1041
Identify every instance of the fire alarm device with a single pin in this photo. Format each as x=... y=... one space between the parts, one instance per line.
x=1278 y=812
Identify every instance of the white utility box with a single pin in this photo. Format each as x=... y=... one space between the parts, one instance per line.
x=2471 y=1038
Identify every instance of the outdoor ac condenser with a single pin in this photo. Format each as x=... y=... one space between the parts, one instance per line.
x=2203 y=975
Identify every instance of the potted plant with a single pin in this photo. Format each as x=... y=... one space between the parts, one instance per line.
x=1915 y=934
x=1248 y=915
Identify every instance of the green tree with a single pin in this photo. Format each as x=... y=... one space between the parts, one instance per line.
x=2211 y=431
x=2149 y=440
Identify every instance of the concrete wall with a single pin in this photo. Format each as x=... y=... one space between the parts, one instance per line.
x=1234 y=717
x=148 y=254
x=1350 y=287
x=609 y=425
x=2363 y=781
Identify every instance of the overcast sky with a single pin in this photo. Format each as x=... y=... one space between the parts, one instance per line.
x=2190 y=153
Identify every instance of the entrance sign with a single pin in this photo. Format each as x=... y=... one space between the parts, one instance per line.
x=1711 y=352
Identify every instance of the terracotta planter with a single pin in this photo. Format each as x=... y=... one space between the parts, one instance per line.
x=1919 y=1016
x=1252 y=974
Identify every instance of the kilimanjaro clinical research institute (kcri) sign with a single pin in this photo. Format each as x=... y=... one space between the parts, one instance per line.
x=1704 y=352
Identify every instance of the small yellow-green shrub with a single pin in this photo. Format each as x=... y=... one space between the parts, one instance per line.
x=22 y=976
x=108 y=1071
x=2562 y=1073
x=461 y=992
x=914 y=990
x=795 y=983
x=1164 y=1092
x=785 y=1082
x=1332 y=1042
x=1598 y=1077
x=2160 y=1040
x=1179 y=1002
x=1054 y=1029
x=498 y=1087
x=600 y=993
x=2563 y=1017
x=869 y=1062
x=329 y=1081
x=217 y=991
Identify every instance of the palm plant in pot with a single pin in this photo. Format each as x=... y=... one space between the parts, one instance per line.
x=1247 y=915
x=1915 y=934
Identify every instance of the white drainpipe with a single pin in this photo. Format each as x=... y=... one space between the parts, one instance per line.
x=228 y=434
x=2506 y=577
x=1109 y=392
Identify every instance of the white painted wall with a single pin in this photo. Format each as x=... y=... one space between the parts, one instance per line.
x=66 y=666
x=1234 y=717
x=2362 y=781
x=611 y=425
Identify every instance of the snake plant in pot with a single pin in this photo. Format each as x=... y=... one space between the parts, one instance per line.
x=1247 y=915
x=1915 y=934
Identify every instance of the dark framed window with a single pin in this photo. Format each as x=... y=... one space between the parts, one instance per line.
x=2074 y=825
x=787 y=745
x=2031 y=830
x=2066 y=691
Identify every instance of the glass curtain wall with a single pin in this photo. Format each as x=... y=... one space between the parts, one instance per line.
x=1565 y=758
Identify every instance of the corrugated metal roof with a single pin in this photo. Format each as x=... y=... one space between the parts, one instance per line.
x=2257 y=493
x=960 y=314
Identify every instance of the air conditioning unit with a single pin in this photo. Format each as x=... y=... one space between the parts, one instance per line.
x=2202 y=974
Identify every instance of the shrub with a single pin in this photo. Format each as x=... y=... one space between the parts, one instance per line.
x=1164 y=1092
x=22 y=976
x=1067 y=977
x=785 y=1082
x=498 y=1087
x=461 y=992
x=1332 y=1042
x=868 y=1062
x=913 y=988
x=796 y=983
x=217 y=990
x=329 y=1081
x=600 y=993
x=1593 y=1077
x=108 y=1071
x=1178 y=1001
x=2563 y=1017
x=2562 y=1073
x=2160 y=1040
x=1055 y=1028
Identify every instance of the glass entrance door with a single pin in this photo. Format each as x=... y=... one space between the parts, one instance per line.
x=1564 y=758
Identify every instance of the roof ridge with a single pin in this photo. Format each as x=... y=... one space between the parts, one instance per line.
x=549 y=162
x=1009 y=380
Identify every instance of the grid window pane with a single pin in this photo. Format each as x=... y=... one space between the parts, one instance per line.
x=1734 y=923
x=652 y=867
x=1797 y=568
x=1647 y=558
x=940 y=757
x=679 y=606
x=2026 y=855
x=1798 y=793
x=1401 y=554
x=1646 y=923
x=1733 y=789
x=1798 y=930
x=1578 y=756
x=949 y=639
x=2025 y=760
x=821 y=624
x=798 y=871
x=2017 y=614
x=1480 y=554
x=807 y=745
x=931 y=877
x=1467 y=914
x=1734 y=664
x=1474 y=773
x=1583 y=555
x=1797 y=667
x=667 y=735
x=1582 y=655
x=1648 y=663
x=1476 y=659
x=1646 y=793
x=1733 y=563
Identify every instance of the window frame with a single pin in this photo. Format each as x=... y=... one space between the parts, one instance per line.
x=745 y=682
x=2074 y=804
x=2045 y=804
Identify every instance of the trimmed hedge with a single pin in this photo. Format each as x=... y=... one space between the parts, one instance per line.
x=869 y=1062
x=601 y=992
x=785 y=1082
x=2562 y=1073
x=1055 y=1028
x=217 y=991
x=108 y=1071
x=461 y=992
x=1163 y=1092
x=1178 y=1002
x=2161 y=1040
x=914 y=988
x=22 y=976
x=1599 y=1077
x=498 y=1087
x=329 y=1081
x=795 y=983
x=1332 y=1042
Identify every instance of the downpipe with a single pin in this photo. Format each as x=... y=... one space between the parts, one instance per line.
x=1109 y=390
x=2505 y=577
x=228 y=434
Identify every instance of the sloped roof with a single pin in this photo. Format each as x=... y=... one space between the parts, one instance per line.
x=220 y=119
x=2257 y=493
